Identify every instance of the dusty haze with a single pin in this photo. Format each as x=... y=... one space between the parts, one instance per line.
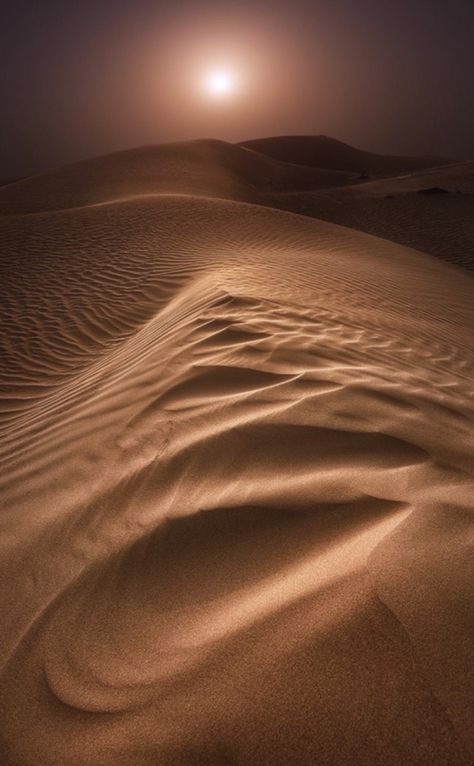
x=80 y=80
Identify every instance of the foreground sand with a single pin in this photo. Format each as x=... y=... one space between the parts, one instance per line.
x=236 y=481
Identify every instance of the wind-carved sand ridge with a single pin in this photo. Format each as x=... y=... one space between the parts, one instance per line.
x=236 y=478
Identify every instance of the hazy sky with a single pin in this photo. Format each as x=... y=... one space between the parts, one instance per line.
x=86 y=77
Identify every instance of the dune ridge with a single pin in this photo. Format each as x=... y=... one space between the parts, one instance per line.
x=236 y=472
x=206 y=167
x=327 y=152
x=387 y=203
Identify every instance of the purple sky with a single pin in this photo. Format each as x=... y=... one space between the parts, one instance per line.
x=394 y=77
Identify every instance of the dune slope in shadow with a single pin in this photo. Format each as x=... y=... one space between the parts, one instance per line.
x=326 y=152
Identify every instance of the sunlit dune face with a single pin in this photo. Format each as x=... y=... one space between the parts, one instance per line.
x=220 y=83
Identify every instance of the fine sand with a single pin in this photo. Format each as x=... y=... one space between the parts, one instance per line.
x=236 y=464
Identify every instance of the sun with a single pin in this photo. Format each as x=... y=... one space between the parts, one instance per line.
x=220 y=82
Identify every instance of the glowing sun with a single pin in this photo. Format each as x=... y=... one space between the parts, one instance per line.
x=220 y=83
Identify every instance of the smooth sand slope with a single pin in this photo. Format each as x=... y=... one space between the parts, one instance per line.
x=326 y=152
x=236 y=482
x=205 y=167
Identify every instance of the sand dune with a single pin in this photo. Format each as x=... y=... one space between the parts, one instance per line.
x=207 y=167
x=431 y=210
x=326 y=152
x=236 y=476
x=391 y=207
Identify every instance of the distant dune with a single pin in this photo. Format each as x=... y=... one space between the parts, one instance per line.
x=325 y=152
x=206 y=167
x=236 y=465
x=6 y=181
x=385 y=207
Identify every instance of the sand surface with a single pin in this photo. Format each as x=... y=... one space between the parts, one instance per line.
x=431 y=210
x=327 y=152
x=236 y=454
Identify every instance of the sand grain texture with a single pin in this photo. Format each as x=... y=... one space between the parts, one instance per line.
x=236 y=476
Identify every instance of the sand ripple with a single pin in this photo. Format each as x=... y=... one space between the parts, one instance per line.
x=236 y=465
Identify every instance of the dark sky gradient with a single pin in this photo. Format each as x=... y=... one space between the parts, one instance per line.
x=84 y=78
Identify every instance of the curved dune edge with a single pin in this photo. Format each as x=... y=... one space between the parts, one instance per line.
x=204 y=167
x=236 y=469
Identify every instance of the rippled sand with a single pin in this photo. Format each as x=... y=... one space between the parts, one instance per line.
x=236 y=454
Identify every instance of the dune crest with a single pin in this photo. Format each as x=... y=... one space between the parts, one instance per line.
x=327 y=152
